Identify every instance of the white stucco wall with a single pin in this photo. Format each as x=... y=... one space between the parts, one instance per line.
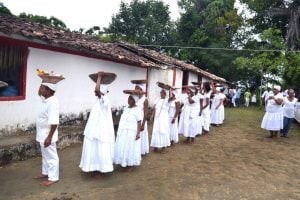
x=165 y=76
x=75 y=94
x=193 y=77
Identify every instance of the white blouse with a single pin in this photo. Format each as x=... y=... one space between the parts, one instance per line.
x=289 y=107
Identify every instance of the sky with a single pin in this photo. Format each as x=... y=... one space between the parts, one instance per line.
x=77 y=13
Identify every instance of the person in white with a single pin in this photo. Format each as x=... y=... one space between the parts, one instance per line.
x=289 y=103
x=233 y=100
x=128 y=143
x=174 y=108
x=198 y=104
x=99 y=136
x=217 y=107
x=205 y=109
x=193 y=122
x=183 y=126
x=47 y=134
x=142 y=103
x=265 y=96
x=160 y=116
x=253 y=99
x=273 y=118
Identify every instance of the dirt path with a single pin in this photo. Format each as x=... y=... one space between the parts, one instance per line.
x=236 y=161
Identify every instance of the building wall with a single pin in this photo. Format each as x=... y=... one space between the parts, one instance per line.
x=193 y=77
x=75 y=93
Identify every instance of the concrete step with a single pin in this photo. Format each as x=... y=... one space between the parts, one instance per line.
x=24 y=146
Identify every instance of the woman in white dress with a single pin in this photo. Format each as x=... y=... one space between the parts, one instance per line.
x=217 y=107
x=99 y=135
x=193 y=123
x=142 y=103
x=128 y=143
x=273 y=118
x=289 y=103
x=205 y=109
x=184 y=118
x=160 y=116
x=199 y=103
x=174 y=108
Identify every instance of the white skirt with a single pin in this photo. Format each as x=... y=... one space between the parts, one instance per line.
x=173 y=130
x=160 y=134
x=217 y=116
x=272 y=121
x=127 y=149
x=144 y=140
x=193 y=127
x=183 y=126
x=206 y=119
x=96 y=156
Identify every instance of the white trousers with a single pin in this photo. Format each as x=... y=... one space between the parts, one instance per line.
x=50 y=161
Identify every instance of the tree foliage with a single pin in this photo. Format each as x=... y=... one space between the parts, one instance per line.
x=52 y=21
x=4 y=10
x=143 y=22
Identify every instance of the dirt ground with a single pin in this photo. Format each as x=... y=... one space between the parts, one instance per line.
x=236 y=161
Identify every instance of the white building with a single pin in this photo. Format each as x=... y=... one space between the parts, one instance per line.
x=26 y=46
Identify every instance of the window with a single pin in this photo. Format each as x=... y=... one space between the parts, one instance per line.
x=185 y=78
x=13 y=59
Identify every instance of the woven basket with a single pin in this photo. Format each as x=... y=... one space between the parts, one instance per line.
x=164 y=86
x=139 y=81
x=51 y=79
x=133 y=92
x=107 y=77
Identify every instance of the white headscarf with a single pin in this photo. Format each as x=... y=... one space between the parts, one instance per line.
x=142 y=86
x=51 y=86
x=277 y=87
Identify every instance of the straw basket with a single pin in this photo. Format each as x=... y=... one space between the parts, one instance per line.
x=51 y=79
x=164 y=86
x=107 y=77
x=133 y=92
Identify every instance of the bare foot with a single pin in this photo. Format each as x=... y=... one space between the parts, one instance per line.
x=40 y=176
x=48 y=183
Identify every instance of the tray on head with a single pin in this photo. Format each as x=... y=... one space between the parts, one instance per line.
x=51 y=79
x=163 y=85
x=107 y=77
x=133 y=92
x=139 y=81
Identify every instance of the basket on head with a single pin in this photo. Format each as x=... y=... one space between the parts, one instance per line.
x=51 y=79
x=107 y=77
x=139 y=81
x=196 y=83
x=163 y=85
x=133 y=92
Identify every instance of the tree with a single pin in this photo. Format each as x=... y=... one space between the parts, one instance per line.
x=52 y=21
x=209 y=24
x=143 y=22
x=4 y=9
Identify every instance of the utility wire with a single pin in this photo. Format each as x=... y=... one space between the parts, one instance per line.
x=224 y=49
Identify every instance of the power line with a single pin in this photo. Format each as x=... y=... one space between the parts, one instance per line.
x=218 y=48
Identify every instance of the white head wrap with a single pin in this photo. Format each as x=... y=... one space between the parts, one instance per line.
x=51 y=86
x=142 y=86
x=277 y=87
x=135 y=97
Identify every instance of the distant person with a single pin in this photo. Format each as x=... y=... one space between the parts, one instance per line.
x=265 y=96
x=217 y=108
x=238 y=97
x=233 y=99
x=253 y=99
x=9 y=91
x=289 y=103
x=247 y=96
x=205 y=109
x=273 y=118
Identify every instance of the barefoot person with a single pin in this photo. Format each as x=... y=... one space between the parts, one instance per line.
x=128 y=143
x=205 y=109
x=47 y=134
x=160 y=116
x=99 y=136
x=273 y=118
x=142 y=103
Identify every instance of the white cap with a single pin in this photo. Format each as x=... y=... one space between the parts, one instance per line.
x=142 y=86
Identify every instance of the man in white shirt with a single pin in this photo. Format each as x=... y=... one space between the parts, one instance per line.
x=47 y=134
